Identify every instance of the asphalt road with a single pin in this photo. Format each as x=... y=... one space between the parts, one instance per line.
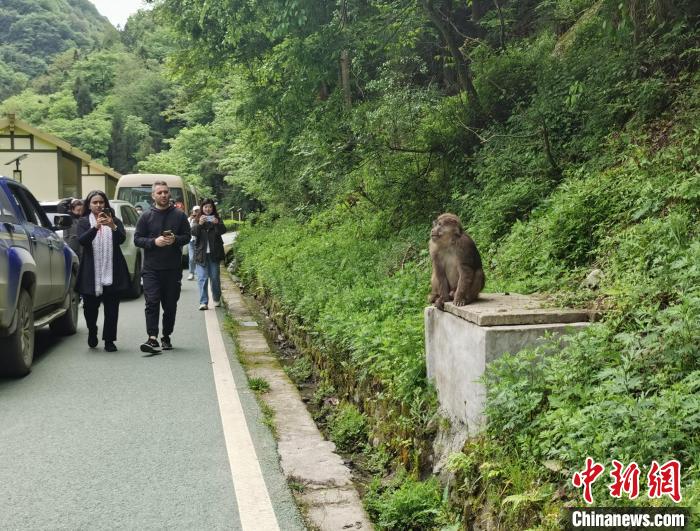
x=98 y=440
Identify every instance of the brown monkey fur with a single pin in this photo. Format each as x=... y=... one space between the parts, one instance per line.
x=458 y=275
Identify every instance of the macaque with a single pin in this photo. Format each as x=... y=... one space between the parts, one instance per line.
x=458 y=275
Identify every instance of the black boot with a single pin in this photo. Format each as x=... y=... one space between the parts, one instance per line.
x=92 y=338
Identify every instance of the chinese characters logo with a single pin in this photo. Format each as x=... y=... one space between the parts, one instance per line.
x=662 y=480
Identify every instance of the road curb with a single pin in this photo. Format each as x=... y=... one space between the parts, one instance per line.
x=324 y=487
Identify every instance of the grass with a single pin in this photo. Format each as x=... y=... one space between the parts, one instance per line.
x=268 y=417
x=259 y=385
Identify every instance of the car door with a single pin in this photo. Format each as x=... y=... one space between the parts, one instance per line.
x=128 y=247
x=59 y=264
x=11 y=235
x=46 y=249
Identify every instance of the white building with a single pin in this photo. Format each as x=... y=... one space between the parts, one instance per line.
x=52 y=168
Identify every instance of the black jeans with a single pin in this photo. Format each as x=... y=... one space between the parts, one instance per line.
x=91 y=309
x=161 y=288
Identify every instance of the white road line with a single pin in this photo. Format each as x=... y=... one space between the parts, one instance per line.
x=254 y=505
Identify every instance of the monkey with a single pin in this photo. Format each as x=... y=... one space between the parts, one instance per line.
x=458 y=275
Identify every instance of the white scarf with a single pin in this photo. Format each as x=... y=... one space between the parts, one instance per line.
x=102 y=254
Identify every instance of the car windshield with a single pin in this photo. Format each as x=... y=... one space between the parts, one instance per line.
x=141 y=195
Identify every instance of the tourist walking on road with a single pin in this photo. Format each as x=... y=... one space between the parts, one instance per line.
x=209 y=252
x=103 y=272
x=161 y=232
x=190 y=246
x=70 y=235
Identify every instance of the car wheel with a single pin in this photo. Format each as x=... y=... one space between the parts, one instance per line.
x=67 y=324
x=136 y=287
x=18 y=348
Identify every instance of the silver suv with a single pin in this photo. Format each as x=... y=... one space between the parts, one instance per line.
x=132 y=254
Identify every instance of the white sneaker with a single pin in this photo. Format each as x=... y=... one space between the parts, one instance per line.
x=203 y=307
x=190 y=276
x=217 y=303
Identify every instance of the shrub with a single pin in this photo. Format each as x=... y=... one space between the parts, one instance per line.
x=233 y=224
x=405 y=504
x=347 y=428
x=301 y=370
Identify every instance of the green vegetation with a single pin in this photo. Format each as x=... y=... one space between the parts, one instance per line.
x=563 y=132
x=233 y=224
x=259 y=385
x=405 y=503
x=108 y=100
x=588 y=158
x=347 y=428
x=300 y=371
x=33 y=32
x=268 y=416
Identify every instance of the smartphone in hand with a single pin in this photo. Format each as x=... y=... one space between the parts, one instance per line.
x=167 y=233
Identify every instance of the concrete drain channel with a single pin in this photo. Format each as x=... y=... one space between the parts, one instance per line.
x=322 y=483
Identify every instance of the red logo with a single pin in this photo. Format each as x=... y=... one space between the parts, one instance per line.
x=662 y=480
x=665 y=479
x=626 y=480
x=586 y=478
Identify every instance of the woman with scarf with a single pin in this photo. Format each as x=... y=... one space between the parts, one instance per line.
x=103 y=272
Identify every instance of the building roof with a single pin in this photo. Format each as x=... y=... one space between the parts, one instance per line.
x=10 y=121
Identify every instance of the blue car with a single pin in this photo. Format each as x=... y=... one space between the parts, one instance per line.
x=37 y=277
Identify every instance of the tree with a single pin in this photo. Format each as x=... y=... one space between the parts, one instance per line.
x=442 y=15
x=11 y=82
x=117 y=153
x=81 y=93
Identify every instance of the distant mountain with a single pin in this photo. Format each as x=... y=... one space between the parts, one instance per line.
x=32 y=32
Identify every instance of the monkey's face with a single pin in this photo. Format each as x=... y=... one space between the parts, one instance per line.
x=446 y=226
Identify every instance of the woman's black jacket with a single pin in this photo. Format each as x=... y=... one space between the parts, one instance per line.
x=86 y=274
x=208 y=232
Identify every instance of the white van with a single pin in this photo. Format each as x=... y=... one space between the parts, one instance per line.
x=136 y=188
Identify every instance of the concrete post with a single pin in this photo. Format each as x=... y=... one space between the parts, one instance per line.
x=459 y=346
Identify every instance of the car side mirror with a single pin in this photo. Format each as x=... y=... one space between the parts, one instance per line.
x=62 y=221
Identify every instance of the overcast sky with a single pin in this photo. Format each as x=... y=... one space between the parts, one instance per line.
x=117 y=11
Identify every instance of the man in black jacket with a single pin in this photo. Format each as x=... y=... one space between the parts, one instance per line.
x=161 y=231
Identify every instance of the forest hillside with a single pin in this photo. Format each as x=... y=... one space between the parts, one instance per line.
x=110 y=97
x=562 y=132
x=33 y=32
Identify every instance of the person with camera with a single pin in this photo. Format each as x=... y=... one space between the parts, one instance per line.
x=161 y=232
x=209 y=252
x=190 y=251
x=103 y=272
x=70 y=234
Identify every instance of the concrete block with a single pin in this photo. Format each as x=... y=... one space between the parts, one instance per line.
x=458 y=351
x=499 y=309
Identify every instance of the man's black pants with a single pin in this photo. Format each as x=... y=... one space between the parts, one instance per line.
x=161 y=288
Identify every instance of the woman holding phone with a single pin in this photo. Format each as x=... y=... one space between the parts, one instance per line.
x=209 y=252
x=103 y=273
